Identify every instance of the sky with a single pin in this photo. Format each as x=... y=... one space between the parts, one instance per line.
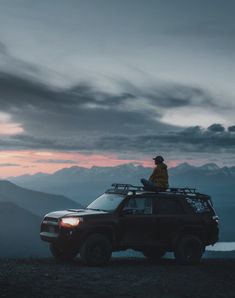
x=105 y=82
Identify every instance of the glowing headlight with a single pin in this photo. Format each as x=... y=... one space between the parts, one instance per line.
x=69 y=222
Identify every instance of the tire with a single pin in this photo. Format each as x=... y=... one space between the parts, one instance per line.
x=96 y=250
x=189 y=250
x=154 y=254
x=63 y=253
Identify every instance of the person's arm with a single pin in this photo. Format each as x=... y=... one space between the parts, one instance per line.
x=153 y=175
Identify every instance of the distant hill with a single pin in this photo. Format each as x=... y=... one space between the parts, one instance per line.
x=21 y=212
x=38 y=203
x=19 y=232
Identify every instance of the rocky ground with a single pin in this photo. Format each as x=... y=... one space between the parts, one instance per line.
x=123 y=277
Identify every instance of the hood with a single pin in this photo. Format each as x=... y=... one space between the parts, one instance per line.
x=73 y=212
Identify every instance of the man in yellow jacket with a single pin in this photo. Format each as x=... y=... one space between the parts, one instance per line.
x=159 y=176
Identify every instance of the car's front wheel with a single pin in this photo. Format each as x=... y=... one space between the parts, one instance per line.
x=96 y=250
x=189 y=250
x=63 y=253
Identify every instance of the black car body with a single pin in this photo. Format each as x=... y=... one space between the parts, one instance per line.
x=126 y=216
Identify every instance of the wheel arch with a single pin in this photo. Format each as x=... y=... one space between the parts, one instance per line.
x=106 y=231
x=192 y=231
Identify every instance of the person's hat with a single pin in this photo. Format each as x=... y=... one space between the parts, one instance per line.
x=159 y=158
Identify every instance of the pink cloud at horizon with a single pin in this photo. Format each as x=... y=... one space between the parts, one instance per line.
x=15 y=163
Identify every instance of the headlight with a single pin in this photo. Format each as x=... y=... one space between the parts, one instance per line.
x=70 y=222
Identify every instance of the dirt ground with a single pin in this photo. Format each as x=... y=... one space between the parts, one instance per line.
x=123 y=277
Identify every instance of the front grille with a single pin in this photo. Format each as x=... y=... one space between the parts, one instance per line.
x=50 y=225
x=50 y=229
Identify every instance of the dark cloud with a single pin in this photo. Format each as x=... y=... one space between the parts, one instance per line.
x=47 y=111
x=216 y=128
x=171 y=95
x=81 y=110
x=23 y=142
x=82 y=118
x=192 y=131
x=3 y=165
x=57 y=161
x=231 y=128
x=193 y=139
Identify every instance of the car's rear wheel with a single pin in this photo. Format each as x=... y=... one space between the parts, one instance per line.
x=154 y=254
x=189 y=250
x=96 y=250
x=63 y=253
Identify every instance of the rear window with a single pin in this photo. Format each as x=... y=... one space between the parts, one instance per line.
x=198 y=205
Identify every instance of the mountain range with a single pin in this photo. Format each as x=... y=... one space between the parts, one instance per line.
x=83 y=185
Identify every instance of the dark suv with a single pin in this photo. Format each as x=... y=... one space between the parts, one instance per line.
x=178 y=220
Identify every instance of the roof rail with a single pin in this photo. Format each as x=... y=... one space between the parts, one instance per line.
x=126 y=187
x=182 y=190
x=119 y=187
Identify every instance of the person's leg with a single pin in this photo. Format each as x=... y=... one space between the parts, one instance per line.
x=147 y=183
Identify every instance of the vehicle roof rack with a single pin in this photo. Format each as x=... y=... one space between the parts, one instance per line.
x=124 y=188
x=182 y=190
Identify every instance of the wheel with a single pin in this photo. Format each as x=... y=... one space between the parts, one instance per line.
x=189 y=250
x=63 y=253
x=154 y=253
x=96 y=250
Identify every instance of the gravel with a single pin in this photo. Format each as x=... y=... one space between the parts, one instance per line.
x=123 y=277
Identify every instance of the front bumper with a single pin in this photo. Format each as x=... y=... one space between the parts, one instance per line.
x=51 y=231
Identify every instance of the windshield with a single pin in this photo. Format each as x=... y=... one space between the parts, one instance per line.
x=106 y=202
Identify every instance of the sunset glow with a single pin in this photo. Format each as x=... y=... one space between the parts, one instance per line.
x=14 y=163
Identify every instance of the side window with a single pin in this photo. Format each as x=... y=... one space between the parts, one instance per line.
x=198 y=205
x=168 y=206
x=139 y=205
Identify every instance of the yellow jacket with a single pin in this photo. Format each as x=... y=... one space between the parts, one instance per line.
x=160 y=176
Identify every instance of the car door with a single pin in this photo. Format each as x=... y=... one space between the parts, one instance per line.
x=137 y=222
x=169 y=213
